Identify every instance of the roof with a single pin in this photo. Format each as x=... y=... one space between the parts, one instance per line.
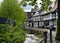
x=38 y=14
x=29 y=14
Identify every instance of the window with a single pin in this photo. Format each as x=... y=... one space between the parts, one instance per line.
x=35 y=24
x=39 y=23
x=53 y=15
x=38 y=18
x=54 y=22
x=46 y=23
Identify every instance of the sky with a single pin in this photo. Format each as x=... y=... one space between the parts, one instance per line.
x=0 y=1
x=28 y=7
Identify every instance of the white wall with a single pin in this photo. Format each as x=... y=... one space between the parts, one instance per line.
x=50 y=23
x=35 y=24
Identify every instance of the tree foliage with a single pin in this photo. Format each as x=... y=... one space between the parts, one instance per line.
x=58 y=30
x=11 y=34
x=45 y=4
x=34 y=3
x=11 y=9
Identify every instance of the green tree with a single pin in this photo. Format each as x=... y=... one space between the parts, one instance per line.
x=34 y=3
x=58 y=30
x=11 y=9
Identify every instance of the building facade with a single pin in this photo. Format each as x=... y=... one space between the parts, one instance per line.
x=45 y=18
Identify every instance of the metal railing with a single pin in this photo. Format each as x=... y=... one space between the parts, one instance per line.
x=44 y=40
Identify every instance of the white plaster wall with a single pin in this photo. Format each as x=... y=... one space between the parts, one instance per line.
x=50 y=23
x=35 y=24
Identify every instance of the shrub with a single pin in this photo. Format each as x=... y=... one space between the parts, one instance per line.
x=11 y=34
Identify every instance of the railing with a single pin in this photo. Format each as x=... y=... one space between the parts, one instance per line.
x=40 y=41
x=44 y=40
